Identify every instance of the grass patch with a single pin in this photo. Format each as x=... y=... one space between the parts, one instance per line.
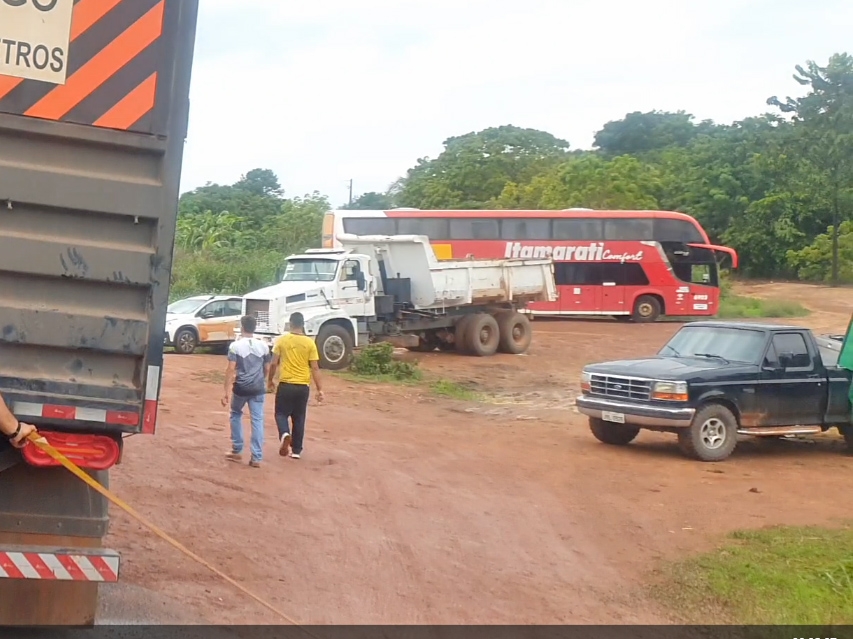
x=454 y=390
x=740 y=306
x=376 y=362
x=780 y=576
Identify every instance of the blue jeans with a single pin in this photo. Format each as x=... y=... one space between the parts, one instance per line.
x=256 y=410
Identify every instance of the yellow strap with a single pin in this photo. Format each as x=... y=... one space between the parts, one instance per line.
x=44 y=445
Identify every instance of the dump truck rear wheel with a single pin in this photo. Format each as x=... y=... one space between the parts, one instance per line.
x=483 y=335
x=460 y=334
x=335 y=347
x=515 y=332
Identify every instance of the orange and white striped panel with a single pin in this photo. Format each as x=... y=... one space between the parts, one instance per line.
x=100 y=566
x=60 y=411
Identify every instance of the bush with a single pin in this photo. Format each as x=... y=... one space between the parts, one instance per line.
x=377 y=360
x=737 y=306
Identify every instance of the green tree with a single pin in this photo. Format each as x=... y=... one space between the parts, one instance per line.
x=823 y=122
x=639 y=133
x=587 y=181
x=815 y=261
x=372 y=201
x=260 y=182
x=474 y=168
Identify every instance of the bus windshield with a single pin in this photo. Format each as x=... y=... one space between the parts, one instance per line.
x=310 y=271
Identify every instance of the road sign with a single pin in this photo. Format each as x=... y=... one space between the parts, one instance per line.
x=34 y=36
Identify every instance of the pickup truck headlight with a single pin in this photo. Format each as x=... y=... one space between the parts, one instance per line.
x=586 y=387
x=670 y=391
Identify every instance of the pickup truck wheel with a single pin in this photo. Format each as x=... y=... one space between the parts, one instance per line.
x=483 y=335
x=712 y=436
x=646 y=309
x=515 y=333
x=613 y=434
x=334 y=346
x=185 y=341
x=460 y=334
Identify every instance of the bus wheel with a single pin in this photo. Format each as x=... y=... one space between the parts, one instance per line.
x=646 y=309
x=483 y=335
x=515 y=333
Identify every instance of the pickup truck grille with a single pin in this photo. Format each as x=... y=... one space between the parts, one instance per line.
x=260 y=309
x=620 y=387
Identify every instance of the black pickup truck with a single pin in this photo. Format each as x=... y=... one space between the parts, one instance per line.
x=716 y=380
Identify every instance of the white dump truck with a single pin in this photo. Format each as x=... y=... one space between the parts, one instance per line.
x=392 y=288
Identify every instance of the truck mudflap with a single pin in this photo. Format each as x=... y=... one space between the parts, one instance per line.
x=59 y=564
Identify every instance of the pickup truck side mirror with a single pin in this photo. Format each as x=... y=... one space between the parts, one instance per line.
x=359 y=280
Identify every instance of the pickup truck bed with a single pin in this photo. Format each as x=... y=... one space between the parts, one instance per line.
x=715 y=380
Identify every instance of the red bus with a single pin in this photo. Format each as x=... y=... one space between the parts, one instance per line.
x=636 y=265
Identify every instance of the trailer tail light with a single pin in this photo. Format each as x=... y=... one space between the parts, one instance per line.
x=94 y=452
x=152 y=397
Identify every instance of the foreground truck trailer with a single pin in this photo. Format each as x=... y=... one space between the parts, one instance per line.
x=392 y=288
x=94 y=101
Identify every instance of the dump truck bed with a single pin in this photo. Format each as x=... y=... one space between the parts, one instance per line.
x=440 y=284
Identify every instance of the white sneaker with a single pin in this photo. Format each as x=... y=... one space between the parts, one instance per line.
x=295 y=455
x=284 y=448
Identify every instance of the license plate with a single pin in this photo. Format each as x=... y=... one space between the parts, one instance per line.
x=607 y=416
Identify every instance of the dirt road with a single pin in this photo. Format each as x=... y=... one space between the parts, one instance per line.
x=413 y=508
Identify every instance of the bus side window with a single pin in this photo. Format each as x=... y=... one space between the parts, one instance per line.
x=589 y=229
x=574 y=274
x=435 y=228
x=369 y=226
x=525 y=229
x=635 y=275
x=474 y=229
x=680 y=231
x=628 y=229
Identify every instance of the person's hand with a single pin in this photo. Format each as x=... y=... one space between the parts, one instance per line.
x=226 y=400
x=270 y=387
x=21 y=439
x=320 y=397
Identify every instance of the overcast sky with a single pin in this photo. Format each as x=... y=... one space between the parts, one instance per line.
x=328 y=90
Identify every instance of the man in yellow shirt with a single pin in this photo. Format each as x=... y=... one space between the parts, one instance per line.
x=295 y=356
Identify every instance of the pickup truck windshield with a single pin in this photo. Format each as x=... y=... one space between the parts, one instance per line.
x=705 y=342
x=310 y=271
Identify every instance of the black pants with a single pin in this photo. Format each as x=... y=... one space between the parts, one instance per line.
x=291 y=401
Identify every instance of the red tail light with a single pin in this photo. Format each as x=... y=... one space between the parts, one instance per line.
x=95 y=452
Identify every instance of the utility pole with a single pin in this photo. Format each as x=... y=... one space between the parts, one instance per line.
x=350 y=192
